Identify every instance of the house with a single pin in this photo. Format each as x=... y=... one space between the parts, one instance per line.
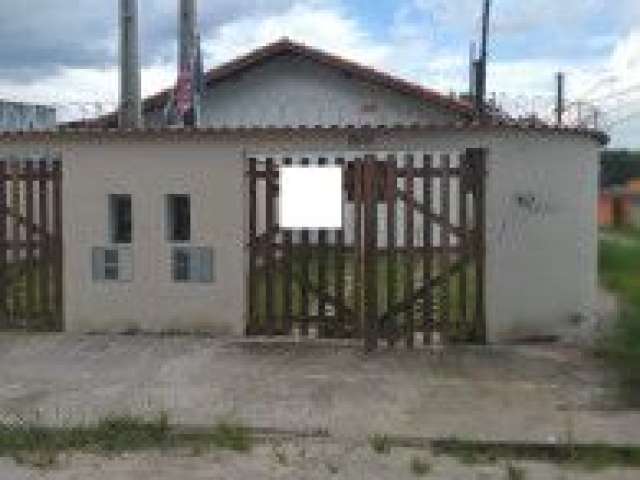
x=16 y=116
x=476 y=230
x=619 y=205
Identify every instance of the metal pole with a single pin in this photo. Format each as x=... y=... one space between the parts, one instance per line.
x=187 y=33
x=482 y=74
x=130 y=88
x=560 y=98
x=473 y=71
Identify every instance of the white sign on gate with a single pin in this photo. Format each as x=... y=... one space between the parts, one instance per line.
x=310 y=197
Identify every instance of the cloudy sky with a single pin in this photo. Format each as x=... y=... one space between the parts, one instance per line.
x=65 y=52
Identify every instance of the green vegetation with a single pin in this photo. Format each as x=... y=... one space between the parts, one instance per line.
x=420 y=467
x=399 y=279
x=618 y=167
x=380 y=443
x=41 y=446
x=619 y=264
x=588 y=457
x=24 y=294
x=514 y=472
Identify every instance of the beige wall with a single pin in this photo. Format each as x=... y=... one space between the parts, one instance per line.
x=295 y=91
x=149 y=171
x=541 y=259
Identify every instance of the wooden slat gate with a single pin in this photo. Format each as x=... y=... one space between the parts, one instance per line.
x=407 y=266
x=31 y=244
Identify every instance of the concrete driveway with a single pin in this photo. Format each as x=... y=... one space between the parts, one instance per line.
x=534 y=393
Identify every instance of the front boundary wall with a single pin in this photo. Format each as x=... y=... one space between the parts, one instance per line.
x=541 y=191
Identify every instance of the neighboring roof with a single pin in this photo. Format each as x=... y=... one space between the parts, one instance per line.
x=172 y=132
x=286 y=46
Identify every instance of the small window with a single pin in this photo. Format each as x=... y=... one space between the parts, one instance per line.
x=192 y=264
x=179 y=218
x=112 y=264
x=120 y=219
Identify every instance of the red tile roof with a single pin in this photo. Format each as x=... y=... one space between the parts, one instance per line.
x=97 y=133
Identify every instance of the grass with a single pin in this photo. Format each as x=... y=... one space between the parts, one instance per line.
x=587 y=457
x=380 y=443
x=420 y=467
x=41 y=446
x=619 y=267
x=514 y=472
x=24 y=303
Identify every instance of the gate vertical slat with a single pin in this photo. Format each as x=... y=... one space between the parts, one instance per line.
x=30 y=293
x=17 y=303
x=340 y=263
x=408 y=241
x=269 y=252
x=3 y=244
x=391 y=184
x=479 y=157
x=445 y=235
x=57 y=222
x=305 y=272
x=287 y=285
x=322 y=271
x=427 y=248
x=462 y=244
x=45 y=260
x=357 y=238
x=370 y=195
x=253 y=297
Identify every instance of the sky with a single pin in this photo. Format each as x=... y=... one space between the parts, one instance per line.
x=65 y=52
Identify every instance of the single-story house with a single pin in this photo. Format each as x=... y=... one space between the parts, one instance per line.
x=471 y=230
x=619 y=205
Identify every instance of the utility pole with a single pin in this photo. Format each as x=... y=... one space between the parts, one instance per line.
x=130 y=112
x=559 y=98
x=187 y=51
x=482 y=74
x=473 y=71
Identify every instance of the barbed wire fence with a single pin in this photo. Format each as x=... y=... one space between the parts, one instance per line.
x=603 y=112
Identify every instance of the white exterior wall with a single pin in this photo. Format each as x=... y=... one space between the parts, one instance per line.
x=540 y=264
x=152 y=301
x=541 y=261
x=16 y=116
x=292 y=91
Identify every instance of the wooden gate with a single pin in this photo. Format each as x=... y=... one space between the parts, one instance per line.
x=407 y=266
x=31 y=244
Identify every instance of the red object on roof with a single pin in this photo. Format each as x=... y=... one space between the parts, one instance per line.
x=184 y=91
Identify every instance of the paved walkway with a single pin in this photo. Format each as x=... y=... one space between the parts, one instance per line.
x=537 y=393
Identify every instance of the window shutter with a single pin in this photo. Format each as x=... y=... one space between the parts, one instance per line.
x=125 y=265
x=98 y=263
x=112 y=260
x=205 y=261
x=194 y=264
